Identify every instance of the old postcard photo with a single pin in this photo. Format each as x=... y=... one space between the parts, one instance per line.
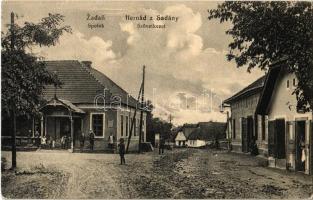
x=156 y=99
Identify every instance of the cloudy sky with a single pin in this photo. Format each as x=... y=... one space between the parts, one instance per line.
x=187 y=74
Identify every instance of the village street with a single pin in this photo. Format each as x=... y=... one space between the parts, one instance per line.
x=181 y=173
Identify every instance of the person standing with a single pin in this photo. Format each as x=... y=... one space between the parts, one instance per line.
x=162 y=146
x=111 y=141
x=82 y=141
x=91 y=139
x=121 y=150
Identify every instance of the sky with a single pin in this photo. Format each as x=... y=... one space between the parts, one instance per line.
x=187 y=73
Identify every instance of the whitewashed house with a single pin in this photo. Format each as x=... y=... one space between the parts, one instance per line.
x=206 y=133
x=180 y=139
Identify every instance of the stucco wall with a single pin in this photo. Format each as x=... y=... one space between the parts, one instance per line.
x=283 y=106
x=242 y=109
x=283 y=103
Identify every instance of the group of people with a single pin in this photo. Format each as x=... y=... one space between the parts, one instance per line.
x=82 y=138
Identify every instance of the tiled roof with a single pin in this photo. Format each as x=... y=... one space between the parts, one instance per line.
x=80 y=84
x=113 y=87
x=208 y=131
x=253 y=87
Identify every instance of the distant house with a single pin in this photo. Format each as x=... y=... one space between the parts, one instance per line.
x=243 y=118
x=206 y=133
x=87 y=100
x=287 y=131
x=180 y=139
x=188 y=128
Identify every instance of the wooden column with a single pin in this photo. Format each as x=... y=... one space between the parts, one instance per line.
x=41 y=126
x=72 y=132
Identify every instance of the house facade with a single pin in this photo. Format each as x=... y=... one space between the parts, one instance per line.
x=87 y=100
x=243 y=123
x=206 y=133
x=180 y=139
x=289 y=131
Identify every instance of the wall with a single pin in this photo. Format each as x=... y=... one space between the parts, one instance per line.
x=135 y=133
x=196 y=143
x=283 y=105
x=242 y=109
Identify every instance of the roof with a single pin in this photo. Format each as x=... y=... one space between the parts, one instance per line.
x=113 y=87
x=62 y=102
x=190 y=125
x=81 y=84
x=253 y=88
x=268 y=89
x=208 y=131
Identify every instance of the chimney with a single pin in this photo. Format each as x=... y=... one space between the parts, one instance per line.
x=87 y=63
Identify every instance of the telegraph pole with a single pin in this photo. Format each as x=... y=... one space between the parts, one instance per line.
x=132 y=121
x=14 y=110
x=141 y=109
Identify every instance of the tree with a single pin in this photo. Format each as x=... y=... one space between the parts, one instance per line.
x=23 y=75
x=267 y=32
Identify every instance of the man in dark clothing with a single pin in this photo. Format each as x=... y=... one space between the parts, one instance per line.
x=81 y=140
x=121 y=150
x=91 y=139
x=162 y=146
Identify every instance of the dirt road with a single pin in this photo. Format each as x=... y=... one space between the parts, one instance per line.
x=182 y=173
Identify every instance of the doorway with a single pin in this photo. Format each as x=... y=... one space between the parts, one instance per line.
x=280 y=139
x=300 y=145
x=246 y=133
x=77 y=131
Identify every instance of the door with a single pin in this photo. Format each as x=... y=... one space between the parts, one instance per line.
x=280 y=139
x=300 y=137
x=244 y=134
x=250 y=131
x=271 y=138
x=77 y=131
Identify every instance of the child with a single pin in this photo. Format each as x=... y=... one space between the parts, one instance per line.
x=121 y=148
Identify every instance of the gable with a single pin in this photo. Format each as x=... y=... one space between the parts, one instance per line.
x=180 y=137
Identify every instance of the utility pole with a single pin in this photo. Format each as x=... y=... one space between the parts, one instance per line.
x=14 y=110
x=141 y=109
x=133 y=120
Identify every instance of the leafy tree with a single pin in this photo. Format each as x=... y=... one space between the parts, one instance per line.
x=162 y=127
x=266 y=32
x=23 y=75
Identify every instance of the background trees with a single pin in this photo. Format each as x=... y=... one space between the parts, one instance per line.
x=23 y=74
x=265 y=32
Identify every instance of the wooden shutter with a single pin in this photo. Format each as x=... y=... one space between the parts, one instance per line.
x=290 y=142
x=271 y=138
x=244 y=134
x=280 y=140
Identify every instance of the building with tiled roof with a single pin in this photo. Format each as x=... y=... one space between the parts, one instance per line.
x=88 y=100
x=242 y=122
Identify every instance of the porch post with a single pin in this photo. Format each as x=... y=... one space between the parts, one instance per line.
x=72 y=132
x=41 y=126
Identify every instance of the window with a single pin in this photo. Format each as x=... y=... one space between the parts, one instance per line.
x=126 y=119
x=97 y=124
x=234 y=128
x=287 y=83
x=122 y=125
x=294 y=82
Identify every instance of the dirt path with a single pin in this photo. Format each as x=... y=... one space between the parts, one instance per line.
x=182 y=173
